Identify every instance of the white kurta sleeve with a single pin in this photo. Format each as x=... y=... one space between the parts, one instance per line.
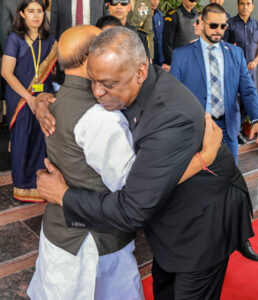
x=107 y=143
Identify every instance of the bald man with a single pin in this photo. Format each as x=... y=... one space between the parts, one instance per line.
x=75 y=263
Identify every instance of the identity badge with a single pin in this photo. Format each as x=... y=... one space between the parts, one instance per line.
x=36 y=88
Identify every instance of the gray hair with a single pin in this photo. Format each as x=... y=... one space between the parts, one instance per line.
x=124 y=42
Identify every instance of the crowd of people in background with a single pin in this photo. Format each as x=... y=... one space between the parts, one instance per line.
x=213 y=55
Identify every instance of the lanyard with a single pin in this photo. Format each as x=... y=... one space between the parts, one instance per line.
x=36 y=64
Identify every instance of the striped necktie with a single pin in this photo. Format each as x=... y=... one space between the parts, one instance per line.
x=79 y=12
x=217 y=105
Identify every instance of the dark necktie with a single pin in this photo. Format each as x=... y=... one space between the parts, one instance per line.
x=79 y=13
x=217 y=105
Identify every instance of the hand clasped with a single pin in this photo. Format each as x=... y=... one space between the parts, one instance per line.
x=51 y=185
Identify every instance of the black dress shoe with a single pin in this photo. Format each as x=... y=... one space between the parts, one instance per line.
x=246 y=250
x=241 y=139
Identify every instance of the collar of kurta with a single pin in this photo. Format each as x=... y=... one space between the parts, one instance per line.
x=77 y=82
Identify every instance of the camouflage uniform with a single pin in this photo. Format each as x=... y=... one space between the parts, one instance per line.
x=140 y=16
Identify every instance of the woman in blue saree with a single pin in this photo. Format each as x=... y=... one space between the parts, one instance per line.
x=29 y=56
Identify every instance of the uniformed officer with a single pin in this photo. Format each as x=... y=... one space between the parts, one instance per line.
x=120 y=10
x=178 y=29
x=243 y=31
x=140 y=17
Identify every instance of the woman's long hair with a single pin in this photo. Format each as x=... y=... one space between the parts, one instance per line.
x=19 y=26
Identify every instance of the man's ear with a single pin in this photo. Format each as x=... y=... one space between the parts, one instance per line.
x=142 y=72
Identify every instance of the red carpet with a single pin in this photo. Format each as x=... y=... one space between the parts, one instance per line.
x=241 y=281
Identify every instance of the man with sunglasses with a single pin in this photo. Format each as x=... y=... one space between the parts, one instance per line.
x=178 y=28
x=193 y=65
x=120 y=10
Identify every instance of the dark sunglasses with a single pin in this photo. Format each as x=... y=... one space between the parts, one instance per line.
x=122 y=2
x=223 y=26
x=197 y=22
x=193 y=1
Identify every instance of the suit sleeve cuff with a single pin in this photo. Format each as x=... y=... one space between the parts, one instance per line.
x=71 y=217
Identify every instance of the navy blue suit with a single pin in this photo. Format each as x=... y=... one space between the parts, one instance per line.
x=188 y=67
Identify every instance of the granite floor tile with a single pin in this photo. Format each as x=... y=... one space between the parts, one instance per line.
x=16 y=239
x=8 y=190
x=6 y=198
x=34 y=224
x=14 y=287
x=5 y=201
x=248 y=161
x=142 y=249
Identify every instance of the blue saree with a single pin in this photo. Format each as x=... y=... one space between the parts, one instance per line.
x=28 y=148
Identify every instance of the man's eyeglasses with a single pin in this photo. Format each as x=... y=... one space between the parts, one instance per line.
x=223 y=26
x=122 y=2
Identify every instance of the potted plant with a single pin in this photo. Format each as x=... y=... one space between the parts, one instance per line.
x=247 y=126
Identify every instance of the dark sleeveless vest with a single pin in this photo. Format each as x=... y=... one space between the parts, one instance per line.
x=185 y=30
x=73 y=100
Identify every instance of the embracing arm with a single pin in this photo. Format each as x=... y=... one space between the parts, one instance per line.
x=46 y=120
x=211 y=144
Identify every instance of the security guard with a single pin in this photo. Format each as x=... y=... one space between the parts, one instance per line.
x=178 y=29
x=140 y=17
x=243 y=31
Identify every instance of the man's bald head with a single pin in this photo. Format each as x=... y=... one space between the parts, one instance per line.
x=74 y=45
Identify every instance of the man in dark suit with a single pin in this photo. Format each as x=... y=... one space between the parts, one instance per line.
x=194 y=66
x=192 y=228
x=63 y=14
x=68 y=13
x=7 y=13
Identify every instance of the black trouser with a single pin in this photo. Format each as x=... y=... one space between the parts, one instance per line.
x=203 y=285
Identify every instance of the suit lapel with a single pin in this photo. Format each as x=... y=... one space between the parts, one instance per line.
x=227 y=67
x=227 y=60
x=200 y=59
